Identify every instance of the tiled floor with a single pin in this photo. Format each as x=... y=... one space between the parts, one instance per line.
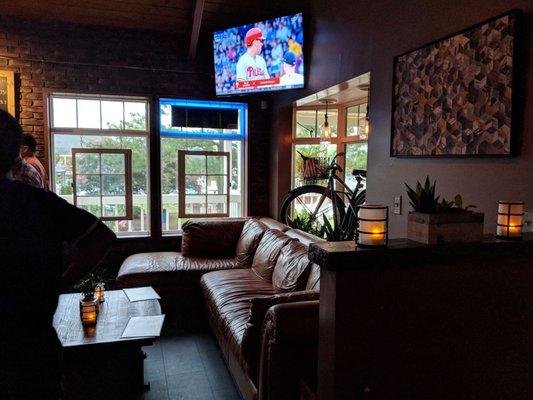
x=187 y=366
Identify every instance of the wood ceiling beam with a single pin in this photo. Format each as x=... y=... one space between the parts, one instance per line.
x=195 y=29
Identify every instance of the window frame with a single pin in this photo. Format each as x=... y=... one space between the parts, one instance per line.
x=339 y=141
x=181 y=182
x=150 y=134
x=128 y=180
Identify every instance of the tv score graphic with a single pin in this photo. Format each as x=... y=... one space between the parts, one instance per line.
x=263 y=56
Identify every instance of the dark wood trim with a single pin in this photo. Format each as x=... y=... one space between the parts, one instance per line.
x=195 y=29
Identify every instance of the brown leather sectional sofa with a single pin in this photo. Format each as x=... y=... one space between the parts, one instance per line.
x=244 y=269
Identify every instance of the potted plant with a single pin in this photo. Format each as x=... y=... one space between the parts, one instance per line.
x=435 y=222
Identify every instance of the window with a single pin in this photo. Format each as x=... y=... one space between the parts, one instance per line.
x=85 y=122
x=102 y=182
x=349 y=128
x=201 y=126
x=203 y=183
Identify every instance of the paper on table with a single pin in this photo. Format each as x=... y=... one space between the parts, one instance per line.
x=144 y=326
x=142 y=293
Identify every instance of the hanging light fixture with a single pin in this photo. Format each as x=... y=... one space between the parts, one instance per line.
x=325 y=134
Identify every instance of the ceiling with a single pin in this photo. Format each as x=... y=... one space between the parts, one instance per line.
x=345 y=92
x=160 y=15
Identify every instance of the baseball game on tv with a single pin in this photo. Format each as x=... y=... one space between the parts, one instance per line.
x=262 y=56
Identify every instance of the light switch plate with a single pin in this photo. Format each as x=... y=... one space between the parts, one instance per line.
x=398 y=204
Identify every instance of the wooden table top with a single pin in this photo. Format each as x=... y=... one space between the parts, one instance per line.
x=114 y=315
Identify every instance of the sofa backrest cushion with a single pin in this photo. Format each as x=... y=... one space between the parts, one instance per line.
x=267 y=253
x=274 y=224
x=251 y=235
x=292 y=268
x=313 y=281
x=211 y=237
x=304 y=237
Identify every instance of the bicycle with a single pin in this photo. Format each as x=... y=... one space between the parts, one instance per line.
x=322 y=210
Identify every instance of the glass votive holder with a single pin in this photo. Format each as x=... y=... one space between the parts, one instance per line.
x=510 y=220
x=372 y=225
x=99 y=292
x=88 y=312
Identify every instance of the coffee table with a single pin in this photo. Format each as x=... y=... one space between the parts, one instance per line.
x=97 y=361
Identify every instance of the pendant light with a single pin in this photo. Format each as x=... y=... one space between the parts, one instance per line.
x=325 y=134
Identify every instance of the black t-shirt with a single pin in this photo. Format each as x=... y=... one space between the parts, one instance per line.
x=34 y=224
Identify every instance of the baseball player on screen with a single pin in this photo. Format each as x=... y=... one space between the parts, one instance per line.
x=251 y=66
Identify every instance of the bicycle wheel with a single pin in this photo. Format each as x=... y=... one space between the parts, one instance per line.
x=301 y=208
x=350 y=219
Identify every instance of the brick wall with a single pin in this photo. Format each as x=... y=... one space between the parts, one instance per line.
x=91 y=59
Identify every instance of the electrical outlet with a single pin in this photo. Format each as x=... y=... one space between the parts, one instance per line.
x=398 y=204
x=528 y=221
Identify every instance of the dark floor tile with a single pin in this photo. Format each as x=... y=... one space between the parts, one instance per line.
x=189 y=386
x=206 y=342
x=154 y=370
x=227 y=394
x=158 y=390
x=217 y=373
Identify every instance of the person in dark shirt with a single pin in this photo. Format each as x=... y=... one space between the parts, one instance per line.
x=34 y=226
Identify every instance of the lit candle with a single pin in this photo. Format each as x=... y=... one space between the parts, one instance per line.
x=99 y=292
x=372 y=225
x=88 y=312
x=510 y=219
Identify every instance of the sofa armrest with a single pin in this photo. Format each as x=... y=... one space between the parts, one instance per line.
x=289 y=350
x=251 y=342
x=211 y=237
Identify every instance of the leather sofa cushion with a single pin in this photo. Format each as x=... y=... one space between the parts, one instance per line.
x=292 y=268
x=227 y=296
x=274 y=224
x=304 y=237
x=168 y=269
x=313 y=281
x=251 y=235
x=267 y=253
x=211 y=237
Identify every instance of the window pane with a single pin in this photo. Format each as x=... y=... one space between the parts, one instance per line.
x=90 y=204
x=363 y=123
x=112 y=115
x=356 y=158
x=195 y=204
x=113 y=163
x=306 y=123
x=216 y=204
x=169 y=177
x=135 y=115
x=87 y=163
x=309 y=150
x=87 y=185
x=352 y=121
x=332 y=120
x=216 y=184
x=64 y=113
x=113 y=185
x=114 y=207
x=216 y=165
x=194 y=164
x=195 y=184
x=89 y=114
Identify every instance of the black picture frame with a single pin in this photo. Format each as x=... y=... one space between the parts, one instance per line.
x=399 y=133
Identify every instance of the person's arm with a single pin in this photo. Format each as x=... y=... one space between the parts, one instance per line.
x=241 y=70
x=86 y=239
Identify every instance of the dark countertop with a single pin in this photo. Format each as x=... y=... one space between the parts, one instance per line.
x=404 y=253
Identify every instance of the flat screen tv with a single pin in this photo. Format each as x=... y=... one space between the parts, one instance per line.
x=258 y=57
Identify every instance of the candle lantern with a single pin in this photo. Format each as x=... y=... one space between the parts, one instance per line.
x=372 y=225
x=510 y=220
x=88 y=312
x=99 y=292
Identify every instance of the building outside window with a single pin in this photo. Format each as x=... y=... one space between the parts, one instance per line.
x=213 y=135
x=103 y=122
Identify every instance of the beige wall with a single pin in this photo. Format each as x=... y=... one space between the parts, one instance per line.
x=346 y=39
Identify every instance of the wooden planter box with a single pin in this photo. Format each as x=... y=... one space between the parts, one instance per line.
x=445 y=228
